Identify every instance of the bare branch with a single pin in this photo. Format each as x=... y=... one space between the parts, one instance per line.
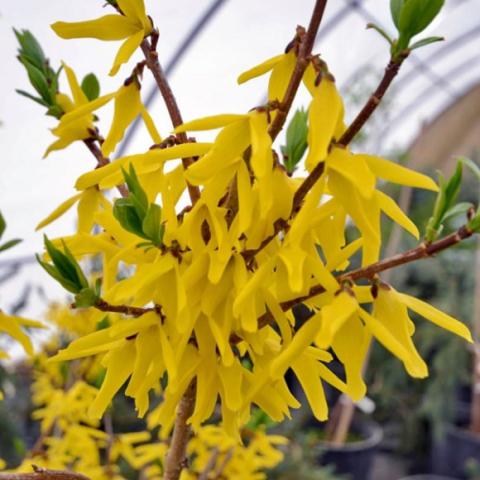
x=176 y=457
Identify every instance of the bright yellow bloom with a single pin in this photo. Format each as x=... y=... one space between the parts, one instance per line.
x=133 y=26
x=82 y=127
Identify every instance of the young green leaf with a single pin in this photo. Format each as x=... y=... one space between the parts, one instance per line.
x=39 y=83
x=445 y=201
x=29 y=47
x=87 y=297
x=395 y=9
x=382 y=32
x=458 y=209
x=296 y=137
x=10 y=244
x=65 y=268
x=3 y=225
x=127 y=216
x=425 y=41
x=91 y=86
x=152 y=224
x=32 y=97
x=417 y=15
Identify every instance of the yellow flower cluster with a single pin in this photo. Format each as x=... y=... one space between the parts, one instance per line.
x=215 y=290
x=223 y=457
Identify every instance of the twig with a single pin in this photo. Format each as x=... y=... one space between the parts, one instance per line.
x=176 y=457
x=43 y=474
x=104 y=306
x=302 y=62
x=151 y=58
x=370 y=271
x=108 y=425
x=209 y=467
x=102 y=161
x=391 y=72
x=228 y=456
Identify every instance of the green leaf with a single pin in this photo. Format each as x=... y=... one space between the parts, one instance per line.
x=417 y=15
x=453 y=186
x=103 y=323
x=10 y=244
x=474 y=223
x=470 y=164
x=30 y=48
x=62 y=263
x=39 y=82
x=425 y=41
x=395 y=9
x=382 y=32
x=152 y=224
x=3 y=225
x=137 y=195
x=31 y=97
x=91 y=86
x=55 y=274
x=87 y=297
x=127 y=216
x=296 y=138
x=458 y=209
x=78 y=270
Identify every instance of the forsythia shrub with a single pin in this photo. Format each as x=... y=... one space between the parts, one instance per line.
x=194 y=300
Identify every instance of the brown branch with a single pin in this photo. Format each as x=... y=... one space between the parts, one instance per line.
x=390 y=73
x=102 y=161
x=370 y=271
x=151 y=58
x=104 y=306
x=43 y=474
x=302 y=62
x=176 y=457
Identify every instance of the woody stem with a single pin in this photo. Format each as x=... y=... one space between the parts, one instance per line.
x=151 y=59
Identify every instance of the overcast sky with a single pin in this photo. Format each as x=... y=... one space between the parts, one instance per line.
x=242 y=34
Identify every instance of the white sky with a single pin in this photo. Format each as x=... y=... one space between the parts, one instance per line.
x=244 y=33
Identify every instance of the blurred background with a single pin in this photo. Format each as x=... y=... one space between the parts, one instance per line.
x=430 y=116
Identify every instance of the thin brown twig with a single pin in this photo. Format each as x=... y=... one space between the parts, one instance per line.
x=390 y=73
x=129 y=310
x=102 y=161
x=176 y=457
x=151 y=58
x=210 y=466
x=226 y=459
x=303 y=59
x=43 y=474
x=370 y=271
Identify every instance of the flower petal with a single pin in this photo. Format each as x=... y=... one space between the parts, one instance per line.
x=108 y=27
x=126 y=50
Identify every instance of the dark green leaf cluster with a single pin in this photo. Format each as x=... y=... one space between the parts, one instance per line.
x=9 y=243
x=136 y=214
x=43 y=78
x=66 y=270
x=41 y=75
x=296 y=138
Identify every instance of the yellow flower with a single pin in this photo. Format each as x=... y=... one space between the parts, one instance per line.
x=81 y=128
x=12 y=325
x=133 y=26
x=127 y=106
